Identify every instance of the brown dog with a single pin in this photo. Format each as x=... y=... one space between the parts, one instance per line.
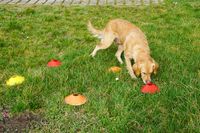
x=132 y=41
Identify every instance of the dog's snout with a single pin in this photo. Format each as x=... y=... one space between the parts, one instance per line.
x=148 y=81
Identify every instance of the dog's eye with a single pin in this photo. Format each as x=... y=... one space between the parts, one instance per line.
x=144 y=73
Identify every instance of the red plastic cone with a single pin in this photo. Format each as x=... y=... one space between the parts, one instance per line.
x=54 y=63
x=150 y=88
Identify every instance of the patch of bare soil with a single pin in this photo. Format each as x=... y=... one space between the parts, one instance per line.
x=20 y=123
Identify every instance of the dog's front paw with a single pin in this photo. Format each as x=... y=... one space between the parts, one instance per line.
x=133 y=77
x=92 y=55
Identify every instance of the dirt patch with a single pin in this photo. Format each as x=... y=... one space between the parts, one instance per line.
x=20 y=123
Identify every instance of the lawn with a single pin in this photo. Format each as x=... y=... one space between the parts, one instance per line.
x=30 y=36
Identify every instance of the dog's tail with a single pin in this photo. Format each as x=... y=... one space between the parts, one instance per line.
x=94 y=31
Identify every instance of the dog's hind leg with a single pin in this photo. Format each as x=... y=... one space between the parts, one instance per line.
x=119 y=52
x=106 y=41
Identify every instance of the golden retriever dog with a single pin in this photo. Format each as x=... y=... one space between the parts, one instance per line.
x=132 y=41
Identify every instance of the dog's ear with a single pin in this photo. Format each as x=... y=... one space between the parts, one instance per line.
x=136 y=69
x=155 y=67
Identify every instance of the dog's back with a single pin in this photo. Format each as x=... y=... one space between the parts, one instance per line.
x=123 y=28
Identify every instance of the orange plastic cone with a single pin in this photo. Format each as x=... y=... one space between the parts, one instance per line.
x=75 y=99
x=115 y=69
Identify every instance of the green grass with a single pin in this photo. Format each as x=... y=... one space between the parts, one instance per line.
x=31 y=36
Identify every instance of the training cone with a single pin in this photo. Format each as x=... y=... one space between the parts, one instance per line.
x=15 y=80
x=150 y=88
x=54 y=63
x=75 y=99
x=114 y=69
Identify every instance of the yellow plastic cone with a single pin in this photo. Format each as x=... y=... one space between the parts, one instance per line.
x=15 y=80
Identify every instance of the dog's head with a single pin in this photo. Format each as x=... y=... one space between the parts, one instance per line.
x=145 y=69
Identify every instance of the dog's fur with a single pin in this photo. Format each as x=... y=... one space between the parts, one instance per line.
x=132 y=41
